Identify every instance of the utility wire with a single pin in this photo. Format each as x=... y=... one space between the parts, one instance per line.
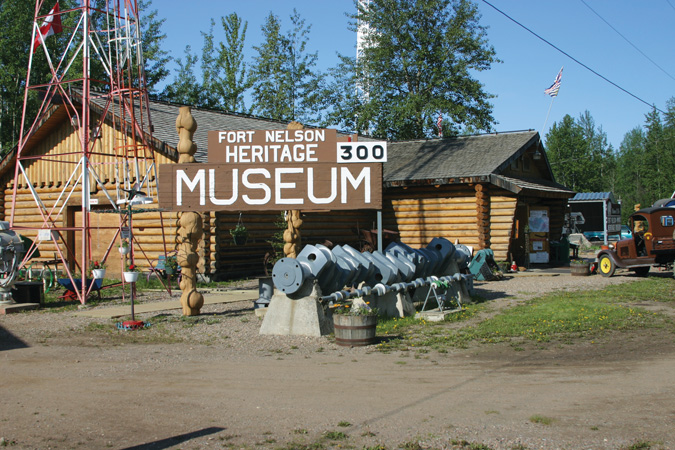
x=626 y=39
x=671 y=5
x=571 y=57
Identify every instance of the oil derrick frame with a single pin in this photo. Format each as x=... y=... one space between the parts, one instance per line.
x=112 y=42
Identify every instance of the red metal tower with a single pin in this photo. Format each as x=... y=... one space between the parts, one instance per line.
x=97 y=77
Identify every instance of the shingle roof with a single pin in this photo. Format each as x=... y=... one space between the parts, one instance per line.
x=464 y=156
x=164 y=122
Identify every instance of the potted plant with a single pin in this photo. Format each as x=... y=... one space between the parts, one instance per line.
x=171 y=265
x=354 y=325
x=131 y=273
x=580 y=268
x=97 y=269
x=124 y=247
x=239 y=234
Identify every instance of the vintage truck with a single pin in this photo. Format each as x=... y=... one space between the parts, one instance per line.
x=652 y=243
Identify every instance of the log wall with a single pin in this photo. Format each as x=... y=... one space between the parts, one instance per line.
x=60 y=151
x=232 y=261
x=56 y=160
x=480 y=217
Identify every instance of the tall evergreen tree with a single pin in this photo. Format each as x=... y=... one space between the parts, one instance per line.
x=16 y=17
x=285 y=86
x=564 y=148
x=185 y=88
x=271 y=83
x=418 y=60
x=580 y=156
x=655 y=153
x=631 y=174
x=235 y=79
x=210 y=65
x=155 y=57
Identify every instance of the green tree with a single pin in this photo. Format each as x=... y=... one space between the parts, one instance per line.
x=156 y=58
x=631 y=187
x=235 y=79
x=285 y=84
x=184 y=89
x=564 y=148
x=270 y=82
x=600 y=155
x=418 y=61
x=210 y=68
x=16 y=17
x=580 y=156
x=658 y=154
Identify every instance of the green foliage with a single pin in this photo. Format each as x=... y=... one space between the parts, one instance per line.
x=646 y=161
x=335 y=435
x=239 y=231
x=350 y=310
x=418 y=60
x=580 y=156
x=16 y=17
x=543 y=420
x=171 y=263
x=235 y=80
x=277 y=242
x=155 y=57
x=285 y=83
x=185 y=89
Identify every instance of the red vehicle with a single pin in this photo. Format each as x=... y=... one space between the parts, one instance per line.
x=652 y=244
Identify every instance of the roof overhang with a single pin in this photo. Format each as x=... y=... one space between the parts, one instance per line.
x=535 y=188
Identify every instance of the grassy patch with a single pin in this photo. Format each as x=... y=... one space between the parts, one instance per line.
x=335 y=435
x=560 y=316
x=538 y=418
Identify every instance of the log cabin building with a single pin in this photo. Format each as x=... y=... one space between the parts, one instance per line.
x=480 y=190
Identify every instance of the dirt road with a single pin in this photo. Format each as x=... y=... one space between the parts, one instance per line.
x=76 y=386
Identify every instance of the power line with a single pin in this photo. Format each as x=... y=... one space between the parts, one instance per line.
x=671 y=5
x=626 y=39
x=571 y=57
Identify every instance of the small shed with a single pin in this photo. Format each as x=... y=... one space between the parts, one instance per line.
x=601 y=212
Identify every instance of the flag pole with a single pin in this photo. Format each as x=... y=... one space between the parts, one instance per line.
x=547 y=114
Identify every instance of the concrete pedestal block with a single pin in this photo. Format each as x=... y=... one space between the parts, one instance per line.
x=301 y=315
x=393 y=304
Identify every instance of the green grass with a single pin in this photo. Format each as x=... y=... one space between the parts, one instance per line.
x=559 y=316
x=538 y=418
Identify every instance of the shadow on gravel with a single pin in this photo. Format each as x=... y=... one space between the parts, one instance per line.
x=175 y=440
x=10 y=342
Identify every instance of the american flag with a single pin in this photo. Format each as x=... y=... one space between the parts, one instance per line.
x=439 y=124
x=555 y=87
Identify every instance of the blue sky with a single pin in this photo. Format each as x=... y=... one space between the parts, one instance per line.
x=529 y=65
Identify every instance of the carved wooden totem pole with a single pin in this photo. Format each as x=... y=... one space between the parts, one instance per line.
x=191 y=225
x=292 y=237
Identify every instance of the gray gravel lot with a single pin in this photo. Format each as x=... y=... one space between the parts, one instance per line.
x=213 y=382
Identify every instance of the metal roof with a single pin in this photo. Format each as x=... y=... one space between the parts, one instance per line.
x=593 y=197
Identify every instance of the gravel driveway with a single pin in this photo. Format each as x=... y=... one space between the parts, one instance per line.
x=212 y=382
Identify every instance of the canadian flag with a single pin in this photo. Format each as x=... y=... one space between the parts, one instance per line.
x=51 y=25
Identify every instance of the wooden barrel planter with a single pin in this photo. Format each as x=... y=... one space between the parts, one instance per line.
x=354 y=331
x=580 y=269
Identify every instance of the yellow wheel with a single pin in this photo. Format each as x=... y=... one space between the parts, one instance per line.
x=606 y=266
